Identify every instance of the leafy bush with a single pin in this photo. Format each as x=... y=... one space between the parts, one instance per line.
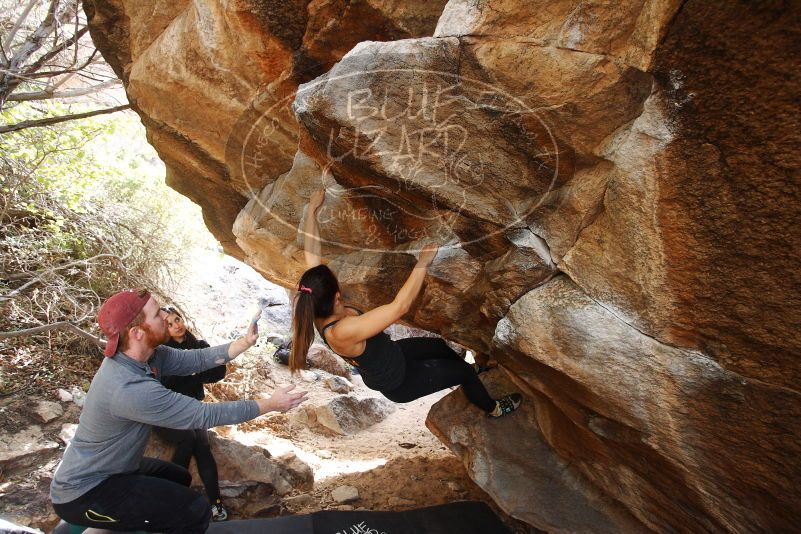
x=84 y=213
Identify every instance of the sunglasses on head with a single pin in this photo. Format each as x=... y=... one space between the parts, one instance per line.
x=170 y=309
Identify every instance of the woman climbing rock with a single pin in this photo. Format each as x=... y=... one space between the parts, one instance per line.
x=402 y=370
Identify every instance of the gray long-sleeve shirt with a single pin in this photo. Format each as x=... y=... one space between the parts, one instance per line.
x=125 y=399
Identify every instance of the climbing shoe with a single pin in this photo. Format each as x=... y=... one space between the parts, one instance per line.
x=218 y=512
x=506 y=405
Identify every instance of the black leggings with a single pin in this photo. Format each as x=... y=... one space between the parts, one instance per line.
x=431 y=366
x=156 y=498
x=195 y=443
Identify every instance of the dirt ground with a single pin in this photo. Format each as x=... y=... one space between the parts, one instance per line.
x=396 y=464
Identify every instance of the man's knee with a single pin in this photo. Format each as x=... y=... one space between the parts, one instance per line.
x=199 y=512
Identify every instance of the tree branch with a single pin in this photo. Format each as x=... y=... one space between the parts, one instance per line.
x=39 y=277
x=39 y=63
x=55 y=120
x=18 y=24
x=62 y=325
x=54 y=18
x=51 y=93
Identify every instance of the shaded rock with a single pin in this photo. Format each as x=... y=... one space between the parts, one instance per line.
x=524 y=475
x=200 y=131
x=628 y=31
x=249 y=463
x=338 y=384
x=250 y=499
x=321 y=357
x=262 y=503
x=344 y=414
x=78 y=396
x=665 y=431
x=25 y=499
x=343 y=494
x=25 y=448
x=299 y=501
x=67 y=432
x=231 y=489
x=46 y=411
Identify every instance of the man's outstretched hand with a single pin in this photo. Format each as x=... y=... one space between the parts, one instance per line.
x=283 y=400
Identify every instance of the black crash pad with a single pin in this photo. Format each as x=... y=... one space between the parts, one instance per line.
x=466 y=517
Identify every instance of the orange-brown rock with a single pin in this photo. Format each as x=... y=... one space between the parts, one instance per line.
x=615 y=189
x=193 y=70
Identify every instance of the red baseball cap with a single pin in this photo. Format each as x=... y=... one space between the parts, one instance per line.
x=117 y=312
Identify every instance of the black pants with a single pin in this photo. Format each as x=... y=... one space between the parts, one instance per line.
x=195 y=443
x=156 y=498
x=431 y=365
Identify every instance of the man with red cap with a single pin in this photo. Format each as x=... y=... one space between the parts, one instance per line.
x=104 y=480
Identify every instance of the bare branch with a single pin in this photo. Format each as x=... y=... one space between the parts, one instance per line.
x=34 y=41
x=50 y=93
x=62 y=325
x=39 y=63
x=36 y=38
x=39 y=277
x=18 y=24
x=55 y=120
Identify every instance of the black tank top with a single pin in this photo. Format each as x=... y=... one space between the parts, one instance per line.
x=381 y=365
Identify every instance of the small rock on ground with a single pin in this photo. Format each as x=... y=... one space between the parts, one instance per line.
x=299 y=501
x=338 y=384
x=345 y=494
x=46 y=411
x=398 y=502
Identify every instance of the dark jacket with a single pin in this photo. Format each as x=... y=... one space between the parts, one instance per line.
x=192 y=385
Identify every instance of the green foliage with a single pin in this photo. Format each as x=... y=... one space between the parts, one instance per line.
x=72 y=192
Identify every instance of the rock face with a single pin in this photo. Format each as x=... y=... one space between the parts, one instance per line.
x=252 y=464
x=215 y=59
x=539 y=486
x=615 y=186
x=344 y=414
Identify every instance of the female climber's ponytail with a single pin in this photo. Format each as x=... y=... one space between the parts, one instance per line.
x=316 y=294
x=302 y=330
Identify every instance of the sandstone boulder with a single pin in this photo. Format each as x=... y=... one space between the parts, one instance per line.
x=247 y=463
x=614 y=186
x=344 y=414
x=321 y=357
x=622 y=407
x=260 y=49
x=524 y=475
